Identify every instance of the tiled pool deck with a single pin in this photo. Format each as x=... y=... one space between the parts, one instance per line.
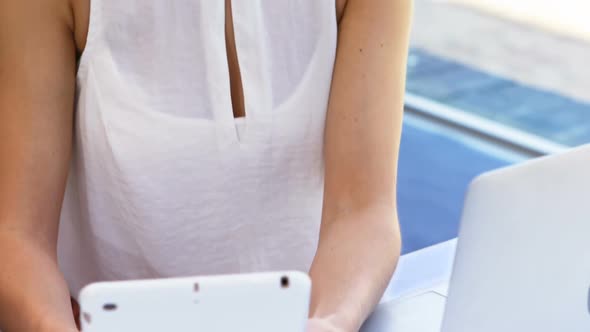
x=535 y=111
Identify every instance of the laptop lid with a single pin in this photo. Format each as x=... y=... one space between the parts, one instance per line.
x=523 y=255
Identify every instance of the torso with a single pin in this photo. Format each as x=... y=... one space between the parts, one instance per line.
x=165 y=181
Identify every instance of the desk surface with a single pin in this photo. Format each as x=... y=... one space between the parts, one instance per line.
x=417 y=313
x=415 y=298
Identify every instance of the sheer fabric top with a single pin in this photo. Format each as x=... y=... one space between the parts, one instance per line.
x=164 y=180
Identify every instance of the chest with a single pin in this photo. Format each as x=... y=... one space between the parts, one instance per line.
x=188 y=69
x=176 y=50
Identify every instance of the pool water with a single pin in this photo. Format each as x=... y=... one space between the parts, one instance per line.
x=435 y=169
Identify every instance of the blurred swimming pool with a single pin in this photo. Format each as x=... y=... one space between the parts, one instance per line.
x=435 y=168
x=437 y=163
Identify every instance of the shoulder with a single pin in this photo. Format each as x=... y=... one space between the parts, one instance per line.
x=35 y=12
x=383 y=7
x=81 y=14
x=20 y=16
x=34 y=21
x=340 y=5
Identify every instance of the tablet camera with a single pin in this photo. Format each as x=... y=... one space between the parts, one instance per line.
x=284 y=282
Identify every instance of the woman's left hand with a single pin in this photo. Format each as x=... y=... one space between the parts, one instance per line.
x=322 y=325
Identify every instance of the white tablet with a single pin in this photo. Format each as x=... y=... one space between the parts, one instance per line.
x=263 y=302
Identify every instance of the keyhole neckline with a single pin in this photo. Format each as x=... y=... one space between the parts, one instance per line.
x=233 y=64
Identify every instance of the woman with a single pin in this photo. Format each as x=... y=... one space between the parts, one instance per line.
x=171 y=138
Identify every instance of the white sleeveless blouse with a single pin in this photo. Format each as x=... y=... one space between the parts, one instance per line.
x=164 y=181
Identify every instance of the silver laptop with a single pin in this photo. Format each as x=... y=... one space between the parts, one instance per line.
x=523 y=256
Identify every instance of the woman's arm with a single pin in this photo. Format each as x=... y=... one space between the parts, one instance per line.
x=37 y=85
x=360 y=239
